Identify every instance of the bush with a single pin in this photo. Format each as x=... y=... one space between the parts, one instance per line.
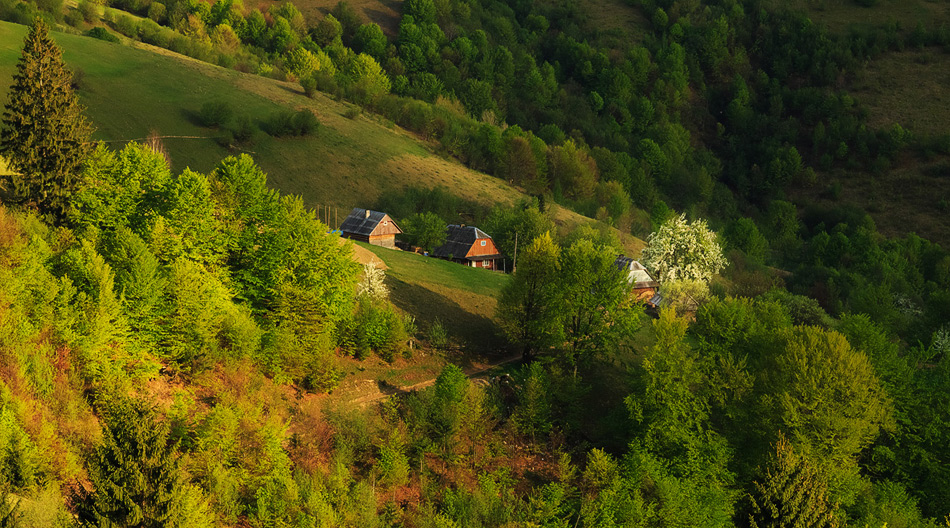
x=309 y=86
x=244 y=131
x=156 y=12
x=88 y=10
x=214 y=114
x=438 y=336
x=127 y=26
x=74 y=18
x=102 y=34
x=305 y=123
x=353 y=112
x=288 y=123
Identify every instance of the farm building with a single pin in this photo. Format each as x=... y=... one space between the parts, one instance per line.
x=370 y=226
x=644 y=286
x=470 y=246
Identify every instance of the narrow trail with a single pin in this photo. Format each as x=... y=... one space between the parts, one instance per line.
x=476 y=375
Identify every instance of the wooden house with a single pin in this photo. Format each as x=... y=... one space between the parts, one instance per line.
x=645 y=288
x=370 y=226
x=470 y=246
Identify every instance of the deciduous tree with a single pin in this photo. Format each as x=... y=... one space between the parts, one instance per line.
x=530 y=305
x=425 y=230
x=683 y=250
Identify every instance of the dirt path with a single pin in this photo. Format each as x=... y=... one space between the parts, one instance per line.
x=386 y=390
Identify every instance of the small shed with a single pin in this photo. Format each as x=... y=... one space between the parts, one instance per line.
x=644 y=286
x=370 y=226
x=470 y=246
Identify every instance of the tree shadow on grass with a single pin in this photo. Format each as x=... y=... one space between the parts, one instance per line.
x=478 y=335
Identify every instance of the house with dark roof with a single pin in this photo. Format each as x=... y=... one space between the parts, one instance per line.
x=645 y=287
x=470 y=246
x=370 y=226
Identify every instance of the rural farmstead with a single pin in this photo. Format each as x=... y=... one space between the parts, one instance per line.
x=471 y=246
x=370 y=226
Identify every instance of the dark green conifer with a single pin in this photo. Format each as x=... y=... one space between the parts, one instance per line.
x=45 y=137
x=134 y=473
x=793 y=494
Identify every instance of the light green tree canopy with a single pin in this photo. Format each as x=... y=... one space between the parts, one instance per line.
x=529 y=308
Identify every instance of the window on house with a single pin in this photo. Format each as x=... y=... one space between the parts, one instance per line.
x=483 y=242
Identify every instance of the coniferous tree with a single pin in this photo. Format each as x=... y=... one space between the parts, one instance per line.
x=45 y=137
x=793 y=494
x=134 y=472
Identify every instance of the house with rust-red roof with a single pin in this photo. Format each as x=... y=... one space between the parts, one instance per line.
x=470 y=246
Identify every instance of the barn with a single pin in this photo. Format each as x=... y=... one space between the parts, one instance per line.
x=470 y=246
x=370 y=226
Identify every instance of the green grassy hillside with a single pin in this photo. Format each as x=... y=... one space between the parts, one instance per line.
x=130 y=92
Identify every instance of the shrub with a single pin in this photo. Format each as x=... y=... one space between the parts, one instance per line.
x=74 y=18
x=437 y=335
x=309 y=86
x=151 y=33
x=88 y=10
x=288 y=123
x=214 y=114
x=353 y=112
x=243 y=132
x=102 y=34
x=126 y=25
x=305 y=123
x=156 y=12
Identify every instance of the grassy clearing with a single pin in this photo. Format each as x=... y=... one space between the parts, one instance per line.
x=840 y=16
x=463 y=299
x=908 y=88
x=911 y=199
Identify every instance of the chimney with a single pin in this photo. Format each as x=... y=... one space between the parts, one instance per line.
x=367 y=213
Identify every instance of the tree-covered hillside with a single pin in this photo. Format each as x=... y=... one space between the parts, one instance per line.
x=168 y=337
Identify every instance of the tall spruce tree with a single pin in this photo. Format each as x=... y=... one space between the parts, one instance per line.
x=135 y=473
x=45 y=137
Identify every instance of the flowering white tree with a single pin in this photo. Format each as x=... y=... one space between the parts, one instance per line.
x=373 y=285
x=682 y=250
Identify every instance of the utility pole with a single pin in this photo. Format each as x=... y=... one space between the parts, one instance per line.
x=514 y=265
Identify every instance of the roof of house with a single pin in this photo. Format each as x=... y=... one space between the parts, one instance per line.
x=363 y=221
x=637 y=274
x=458 y=242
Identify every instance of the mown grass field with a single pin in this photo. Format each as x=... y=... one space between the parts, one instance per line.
x=463 y=299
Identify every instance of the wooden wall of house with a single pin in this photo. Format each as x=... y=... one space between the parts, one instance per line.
x=386 y=226
x=386 y=241
x=478 y=249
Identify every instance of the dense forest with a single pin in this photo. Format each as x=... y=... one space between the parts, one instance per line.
x=166 y=338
